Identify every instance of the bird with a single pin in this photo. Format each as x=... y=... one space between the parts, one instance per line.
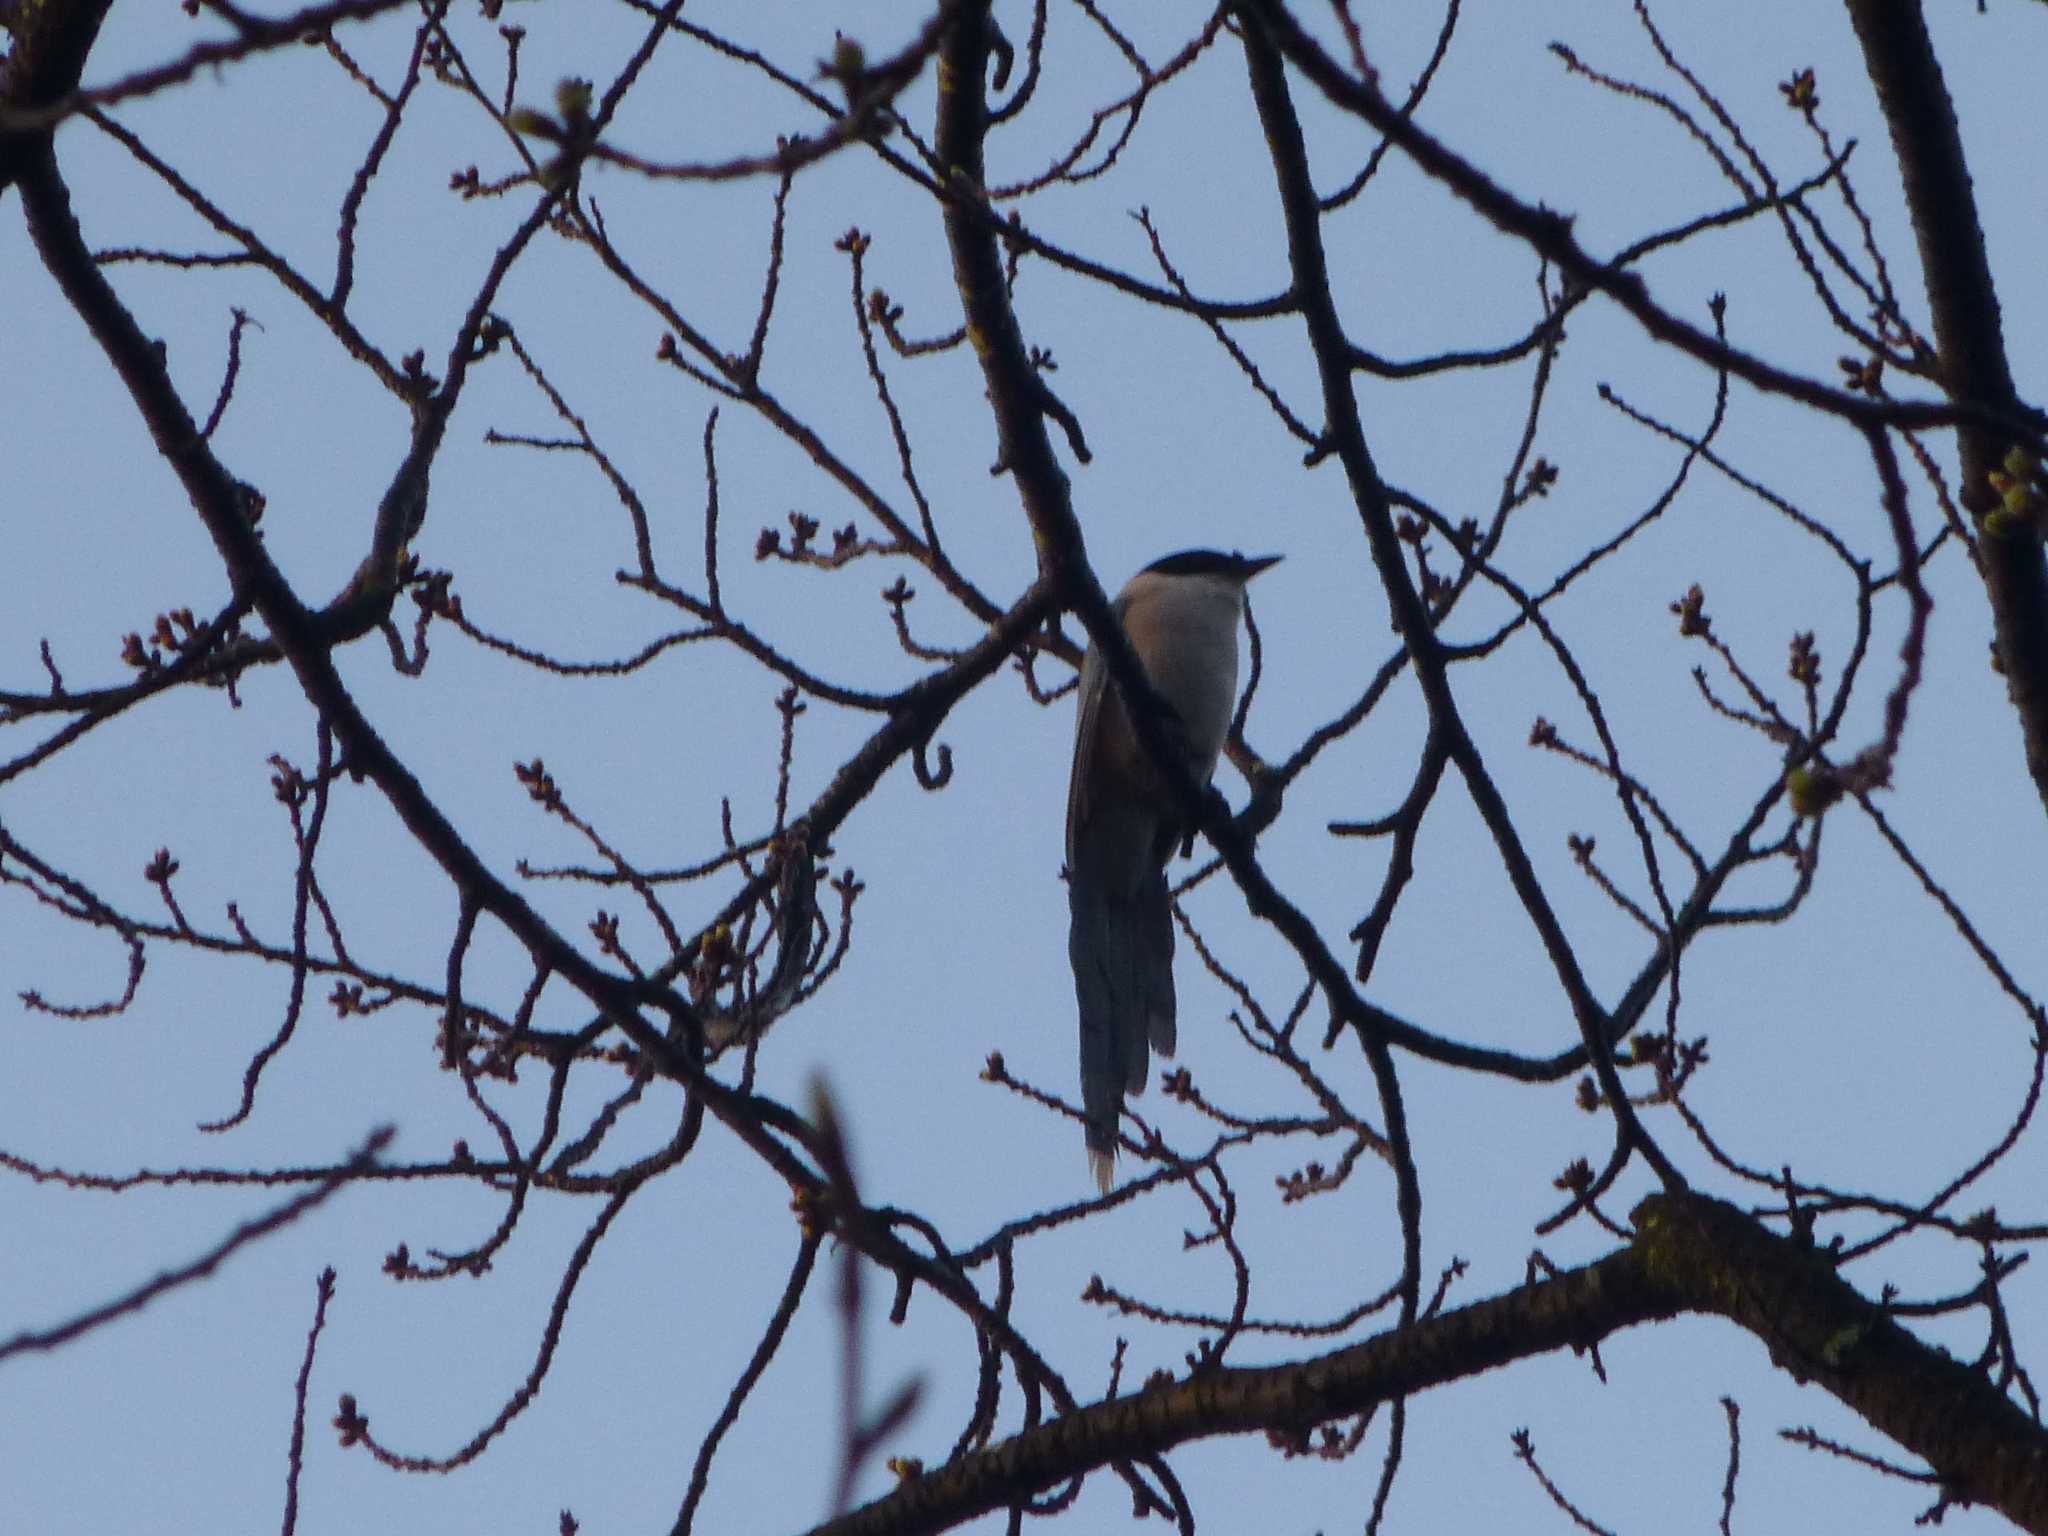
x=1181 y=614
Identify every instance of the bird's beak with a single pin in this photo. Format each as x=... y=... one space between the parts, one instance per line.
x=1258 y=563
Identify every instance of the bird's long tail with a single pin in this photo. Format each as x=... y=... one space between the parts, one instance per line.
x=1121 y=945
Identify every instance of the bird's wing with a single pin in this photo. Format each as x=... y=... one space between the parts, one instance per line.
x=1094 y=690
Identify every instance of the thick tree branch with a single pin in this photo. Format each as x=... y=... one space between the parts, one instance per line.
x=1690 y=1255
x=47 y=55
x=1968 y=335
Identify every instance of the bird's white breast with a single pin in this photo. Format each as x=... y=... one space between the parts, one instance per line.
x=1186 y=634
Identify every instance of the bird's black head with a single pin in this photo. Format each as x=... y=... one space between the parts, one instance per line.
x=1212 y=562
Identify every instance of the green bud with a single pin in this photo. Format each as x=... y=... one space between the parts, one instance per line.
x=572 y=98
x=1812 y=791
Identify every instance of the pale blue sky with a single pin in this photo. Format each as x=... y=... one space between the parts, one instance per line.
x=1859 y=1043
